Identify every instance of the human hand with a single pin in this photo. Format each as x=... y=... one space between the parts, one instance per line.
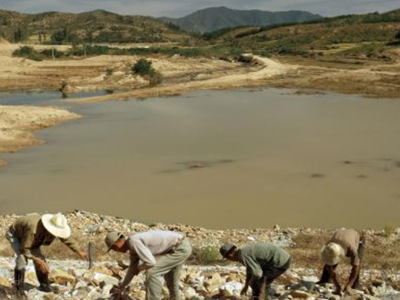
x=82 y=255
x=244 y=290
x=338 y=291
x=348 y=290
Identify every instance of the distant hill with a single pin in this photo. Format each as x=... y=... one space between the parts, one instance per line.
x=368 y=35
x=96 y=26
x=215 y=18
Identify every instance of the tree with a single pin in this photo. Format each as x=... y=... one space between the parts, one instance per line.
x=63 y=37
x=59 y=37
x=18 y=35
x=398 y=36
x=143 y=67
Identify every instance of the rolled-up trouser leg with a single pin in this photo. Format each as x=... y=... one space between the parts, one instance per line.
x=165 y=264
x=20 y=263
x=260 y=288
x=172 y=280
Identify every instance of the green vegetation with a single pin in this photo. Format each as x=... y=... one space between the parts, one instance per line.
x=353 y=36
x=28 y=52
x=388 y=230
x=144 y=68
x=86 y=28
x=86 y=50
x=208 y=254
x=372 y=50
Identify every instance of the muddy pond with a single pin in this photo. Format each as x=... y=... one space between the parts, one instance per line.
x=219 y=159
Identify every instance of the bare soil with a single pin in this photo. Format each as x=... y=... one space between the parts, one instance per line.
x=17 y=124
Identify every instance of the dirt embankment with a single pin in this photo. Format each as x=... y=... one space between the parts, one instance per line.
x=17 y=124
x=262 y=69
x=104 y=72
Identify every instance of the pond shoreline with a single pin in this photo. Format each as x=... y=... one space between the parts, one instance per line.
x=17 y=124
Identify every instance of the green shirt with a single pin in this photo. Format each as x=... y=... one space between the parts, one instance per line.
x=259 y=257
x=30 y=232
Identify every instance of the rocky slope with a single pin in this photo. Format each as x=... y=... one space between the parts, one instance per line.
x=206 y=276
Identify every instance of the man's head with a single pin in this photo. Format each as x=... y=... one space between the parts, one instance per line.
x=229 y=251
x=56 y=225
x=116 y=241
x=332 y=254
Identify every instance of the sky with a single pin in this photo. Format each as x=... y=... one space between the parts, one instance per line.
x=180 y=8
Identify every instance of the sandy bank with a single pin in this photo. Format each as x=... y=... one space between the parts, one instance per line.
x=17 y=124
x=265 y=69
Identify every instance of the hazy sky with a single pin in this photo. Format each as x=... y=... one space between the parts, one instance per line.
x=178 y=8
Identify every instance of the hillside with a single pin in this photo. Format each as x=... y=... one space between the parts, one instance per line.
x=369 y=35
x=97 y=26
x=215 y=18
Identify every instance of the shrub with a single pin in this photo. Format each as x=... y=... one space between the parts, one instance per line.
x=143 y=67
x=388 y=230
x=50 y=52
x=397 y=37
x=209 y=254
x=28 y=52
x=109 y=72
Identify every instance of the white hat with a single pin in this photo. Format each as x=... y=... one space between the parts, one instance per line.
x=56 y=225
x=332 y=254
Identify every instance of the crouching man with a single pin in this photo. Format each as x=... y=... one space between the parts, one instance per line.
x=27 y=235
x=172 y=250
x=264 y=263
x=344 y=243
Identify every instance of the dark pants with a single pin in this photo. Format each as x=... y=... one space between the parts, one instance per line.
x=326 y=276
x=261 y=286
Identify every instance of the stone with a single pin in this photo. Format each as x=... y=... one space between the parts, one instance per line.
x=213 y=282
x=231 y=288
x=300 y=294
x=5 y=282
x=61 y=277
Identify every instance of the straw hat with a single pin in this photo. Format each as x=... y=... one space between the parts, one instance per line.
x=112 y=238
x=56 y=225
x=332 y=254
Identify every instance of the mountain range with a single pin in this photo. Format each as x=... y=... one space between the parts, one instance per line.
x=215 y=18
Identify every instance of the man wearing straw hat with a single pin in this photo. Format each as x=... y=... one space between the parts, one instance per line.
x=27 y=235
x=160 y=253
x=344 y=243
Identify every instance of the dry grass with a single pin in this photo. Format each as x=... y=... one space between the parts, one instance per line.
x=381 y=252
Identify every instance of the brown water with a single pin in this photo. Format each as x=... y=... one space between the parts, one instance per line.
x=270 y=158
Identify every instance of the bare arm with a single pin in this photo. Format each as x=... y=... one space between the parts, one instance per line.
x=133 y=270
x=353 y=276
x=249 y=280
